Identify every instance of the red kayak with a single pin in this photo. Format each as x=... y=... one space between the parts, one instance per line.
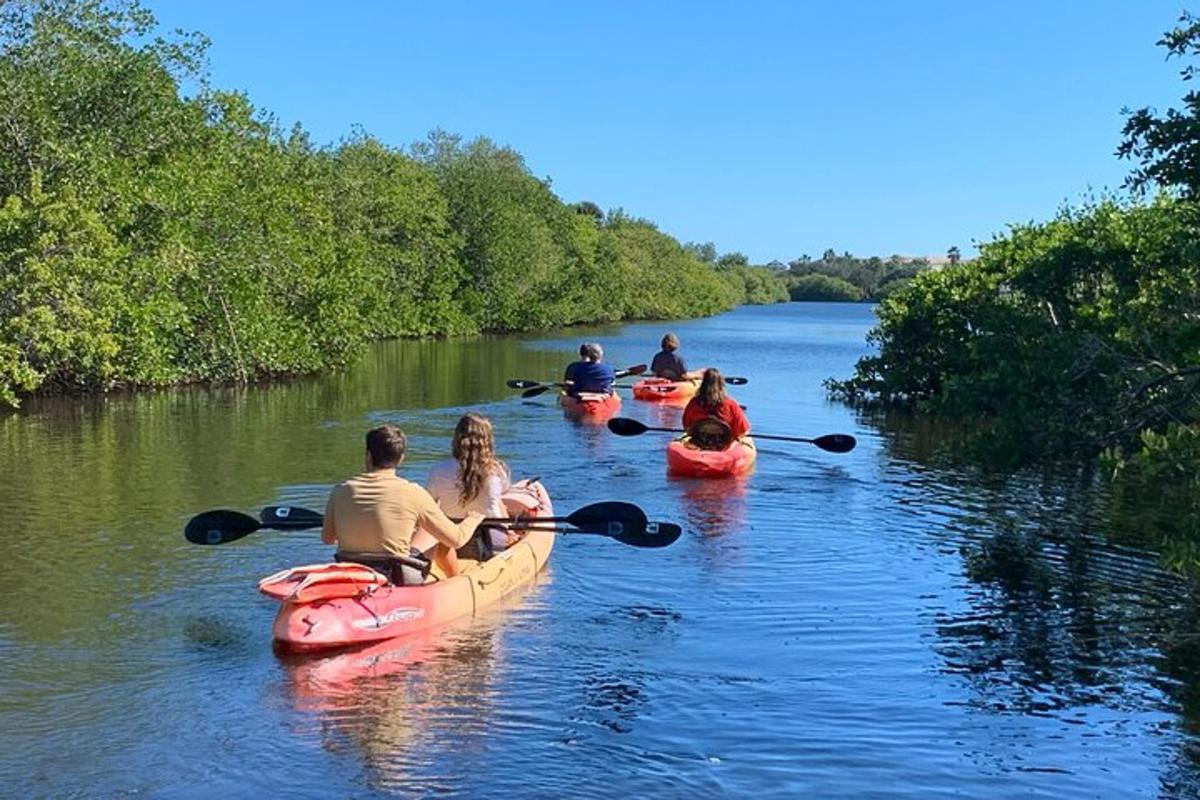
x=737 y=459
x=335 y=605
x=661 y=390
x=590 y=407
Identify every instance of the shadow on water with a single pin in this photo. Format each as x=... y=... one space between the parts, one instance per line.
x=1067 y=615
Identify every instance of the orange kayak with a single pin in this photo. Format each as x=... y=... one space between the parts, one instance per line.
x=737 y=459
x=590 y=407
x=335 y=605
x=661 y=390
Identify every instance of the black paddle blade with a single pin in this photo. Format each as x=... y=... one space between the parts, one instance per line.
x=536 y=390
x=517 y=383
x=611 y=518
x=636 y=369
x=836 y=442
x=290 y=518
x=734 y=380
x=624 y=426
x=219 y=527
x=656 y=534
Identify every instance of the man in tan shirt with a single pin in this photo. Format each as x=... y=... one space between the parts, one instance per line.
x=379 y=512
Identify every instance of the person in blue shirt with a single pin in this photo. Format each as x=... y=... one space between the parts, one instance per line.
x=590 y=374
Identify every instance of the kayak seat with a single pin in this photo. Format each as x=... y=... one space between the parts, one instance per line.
x=710 y=433
x=411 y=570
x=480 y=546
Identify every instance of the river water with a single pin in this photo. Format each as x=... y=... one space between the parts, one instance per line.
x=876 y=624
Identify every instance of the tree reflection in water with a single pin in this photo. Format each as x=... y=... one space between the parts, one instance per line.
x=1063 y=617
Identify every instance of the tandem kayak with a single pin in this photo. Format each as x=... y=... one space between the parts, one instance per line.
x=661 y=390
x=737 y=459
x=336 y=605
x=589 y=406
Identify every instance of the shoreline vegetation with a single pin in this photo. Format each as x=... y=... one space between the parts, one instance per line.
x=1075 y=340
x=148 y=238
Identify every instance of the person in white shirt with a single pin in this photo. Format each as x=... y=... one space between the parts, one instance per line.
x=474 y=479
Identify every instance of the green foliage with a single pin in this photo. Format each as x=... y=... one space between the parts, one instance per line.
x=147 y=238
x=815 y=286
x=654 y=268
x=755 y=285
x=1156 y=488
x=1167 y=147
x=1067 y=336
x=871 y=278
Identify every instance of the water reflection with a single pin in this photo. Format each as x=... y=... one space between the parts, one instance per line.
x=398 y=701
x=1062 y=618
x=715 y=507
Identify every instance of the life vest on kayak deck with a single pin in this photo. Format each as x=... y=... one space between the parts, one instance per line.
x=710 y=433
x=315 y=582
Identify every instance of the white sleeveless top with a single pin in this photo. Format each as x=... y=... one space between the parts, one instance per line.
x=444 y=486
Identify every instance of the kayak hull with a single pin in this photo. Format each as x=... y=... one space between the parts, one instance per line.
x=386 y=612
x=737 y=459
x=590 y=408
x=661 y=390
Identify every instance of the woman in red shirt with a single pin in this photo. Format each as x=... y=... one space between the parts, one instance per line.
x=711 y=402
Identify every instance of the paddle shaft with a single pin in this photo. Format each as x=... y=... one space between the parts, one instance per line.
x=754 y=435
x=534 y=388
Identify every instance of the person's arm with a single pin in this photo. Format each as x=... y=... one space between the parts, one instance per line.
x=440 y=484
x=610 y=378
x=430 y=518
x=568 y=373
x=328 y=532
x=692 y=413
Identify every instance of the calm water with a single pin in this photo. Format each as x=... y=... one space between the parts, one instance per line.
x=878 y=624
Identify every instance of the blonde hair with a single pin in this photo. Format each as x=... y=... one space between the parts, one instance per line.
x=670 y=343
x=474 y=447
x=711 y=393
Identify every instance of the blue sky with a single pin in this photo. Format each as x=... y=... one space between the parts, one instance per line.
x=773 y=128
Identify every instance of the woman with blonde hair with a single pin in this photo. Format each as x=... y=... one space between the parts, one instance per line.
x=473 y=479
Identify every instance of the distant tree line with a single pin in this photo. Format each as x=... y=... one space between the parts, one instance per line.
x=150 y=238
x=848 y=278
x=832 y=277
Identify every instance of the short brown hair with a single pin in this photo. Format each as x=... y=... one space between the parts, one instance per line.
x=670 y=343
x=386 y=445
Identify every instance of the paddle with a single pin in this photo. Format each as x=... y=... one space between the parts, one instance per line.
x=624 y=522
x=534 y=388
x=833 y=442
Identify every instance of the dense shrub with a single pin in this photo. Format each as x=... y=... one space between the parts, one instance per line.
x=823 y=287
x=147 y=238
